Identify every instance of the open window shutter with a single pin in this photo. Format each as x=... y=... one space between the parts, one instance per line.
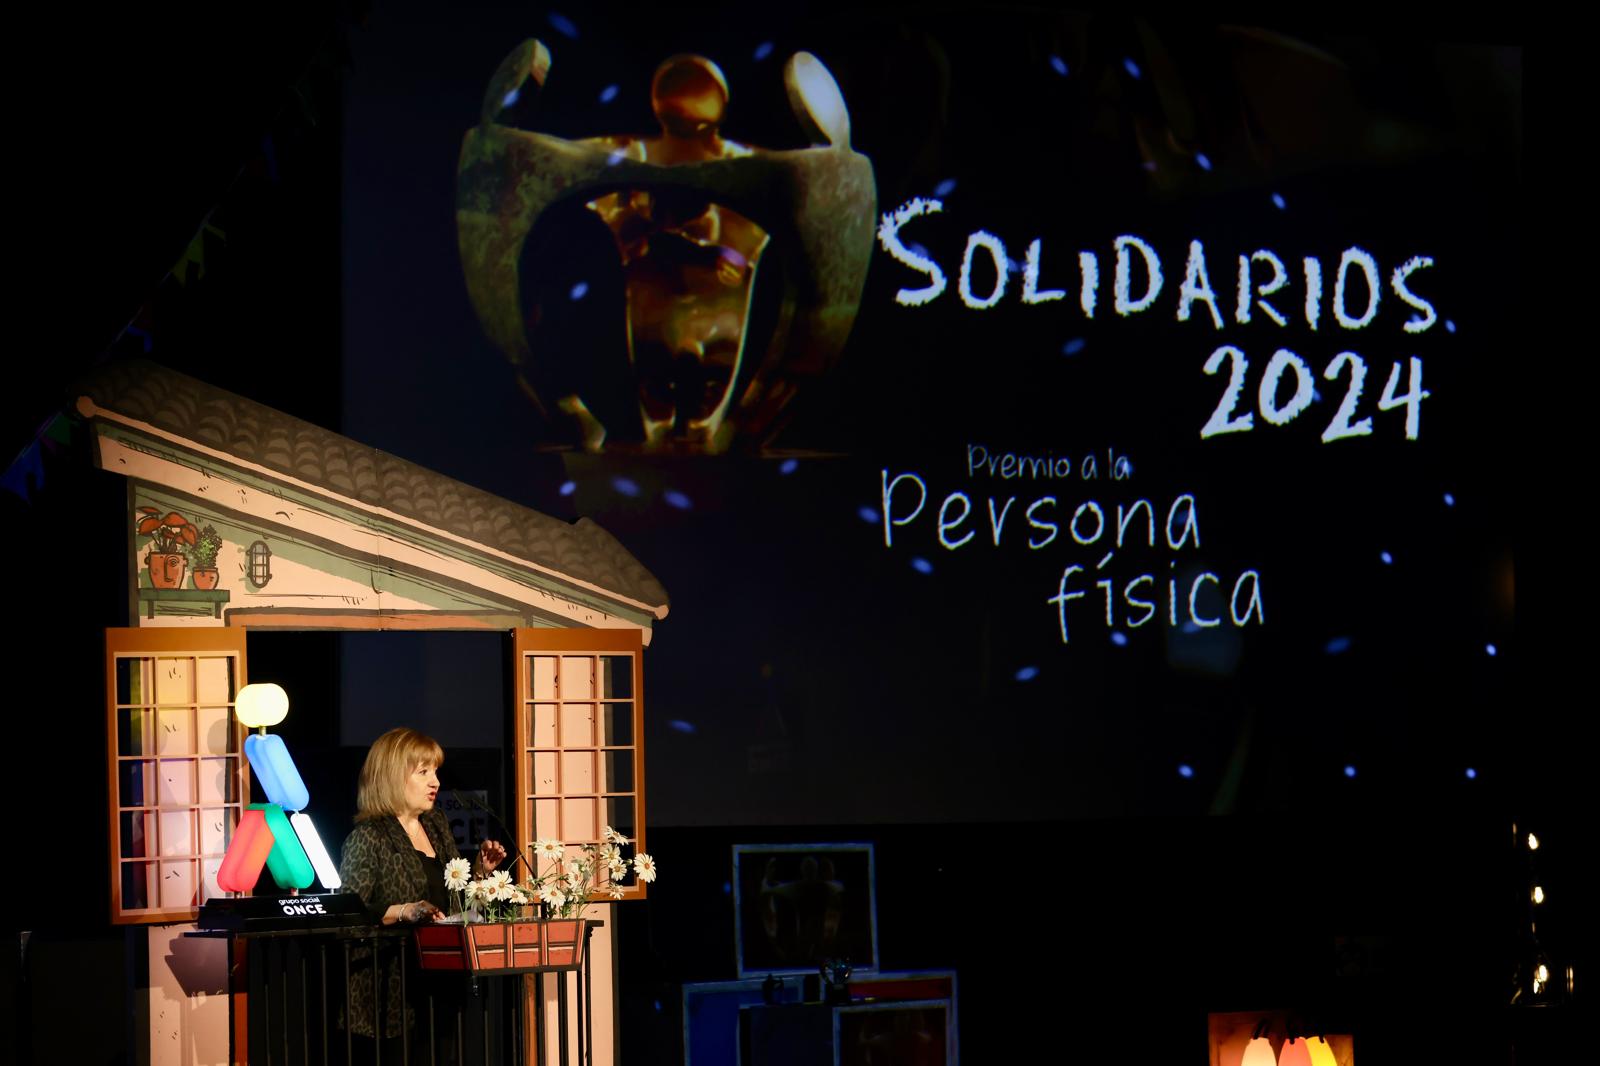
x=579 y=738
x=174 y=764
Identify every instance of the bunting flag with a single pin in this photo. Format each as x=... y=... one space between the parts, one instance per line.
x=144 y=336
x=59 y=432
x=196 y=252
x=25 y=475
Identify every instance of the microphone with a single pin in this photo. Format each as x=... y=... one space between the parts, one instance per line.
x=473 y=802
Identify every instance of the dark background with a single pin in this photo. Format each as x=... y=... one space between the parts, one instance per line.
x=324 y=147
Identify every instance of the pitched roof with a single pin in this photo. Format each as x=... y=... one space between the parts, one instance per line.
x=190 y=409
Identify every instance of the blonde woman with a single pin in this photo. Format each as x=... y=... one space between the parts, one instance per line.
x=394 y=858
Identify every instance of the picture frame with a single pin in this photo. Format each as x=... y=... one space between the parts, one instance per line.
x=797 y=905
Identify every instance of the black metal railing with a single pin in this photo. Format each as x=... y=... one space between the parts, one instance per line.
x=297 y=996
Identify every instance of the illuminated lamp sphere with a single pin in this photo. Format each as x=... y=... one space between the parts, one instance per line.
x=259 y=706
x=689 y=96
x=1295 y=1053
x=1321 y=1054
x=1259 y=1053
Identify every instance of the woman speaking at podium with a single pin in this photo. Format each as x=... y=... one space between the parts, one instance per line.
x=394 y=858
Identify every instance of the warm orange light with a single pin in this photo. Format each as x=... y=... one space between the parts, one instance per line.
x=1295 y=1053
x=247 y=853
x=1259 y=1053
x=1533 y=842
x=1321 y=1054
x=1538 y=893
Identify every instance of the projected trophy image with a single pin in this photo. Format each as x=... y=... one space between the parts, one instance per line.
x=692 y=216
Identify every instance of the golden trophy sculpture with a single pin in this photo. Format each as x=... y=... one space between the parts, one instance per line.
x=693 y=216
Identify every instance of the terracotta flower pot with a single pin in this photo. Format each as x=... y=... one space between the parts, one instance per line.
x=166 y=569
x=205 y=577
x=522 y=946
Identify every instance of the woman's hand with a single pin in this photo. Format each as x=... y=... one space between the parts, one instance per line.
x=491 y=853
x=418 y=911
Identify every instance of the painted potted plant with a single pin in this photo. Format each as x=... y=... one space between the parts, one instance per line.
x=203 y=558
x=169 y=535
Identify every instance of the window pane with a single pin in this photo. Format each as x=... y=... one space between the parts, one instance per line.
x=214 y=830
x=547 y=818
x=138 y=834
x=136 y=784
x=616 y=673
x=542 y=765
x=620 y=815
x=618 y=771
x=177 y=885
x=174 y=680
x=578 y=820
x=175 y=782
x=209 y=889
x=175 y=731
x=217 y=734
x=218 y=781
x=214 y=679
x=542 y=677
x=177 y=833
x=133 y=681
x=618 y=728
x=577 y=725
x=542 y=728
x=577 y=677
x=133 y=731
x=138 y=884
x=577 y=772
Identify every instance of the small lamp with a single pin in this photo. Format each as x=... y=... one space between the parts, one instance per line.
x=261 y=705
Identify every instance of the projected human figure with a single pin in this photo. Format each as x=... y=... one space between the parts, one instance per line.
x=689 y=264
x=801 y=918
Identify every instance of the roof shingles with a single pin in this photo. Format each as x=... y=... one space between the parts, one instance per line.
x=193 y=410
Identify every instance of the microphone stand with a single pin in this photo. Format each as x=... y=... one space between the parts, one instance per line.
x=474 y=803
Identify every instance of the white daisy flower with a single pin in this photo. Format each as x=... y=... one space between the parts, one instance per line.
x=457 y=872
x=554 y=898
x=645 y=867
x=614 y=837
x=617 y=867
x=551 y=850
x=613 y=891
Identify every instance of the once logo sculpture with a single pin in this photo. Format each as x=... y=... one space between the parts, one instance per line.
x=287 y=845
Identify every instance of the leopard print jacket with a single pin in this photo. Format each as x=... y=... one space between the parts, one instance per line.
x=380 y=864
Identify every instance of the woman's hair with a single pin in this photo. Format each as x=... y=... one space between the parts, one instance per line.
x=391 y=759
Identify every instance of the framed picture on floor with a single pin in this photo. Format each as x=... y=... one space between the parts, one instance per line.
x=912 y=1033
x=796 y=905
